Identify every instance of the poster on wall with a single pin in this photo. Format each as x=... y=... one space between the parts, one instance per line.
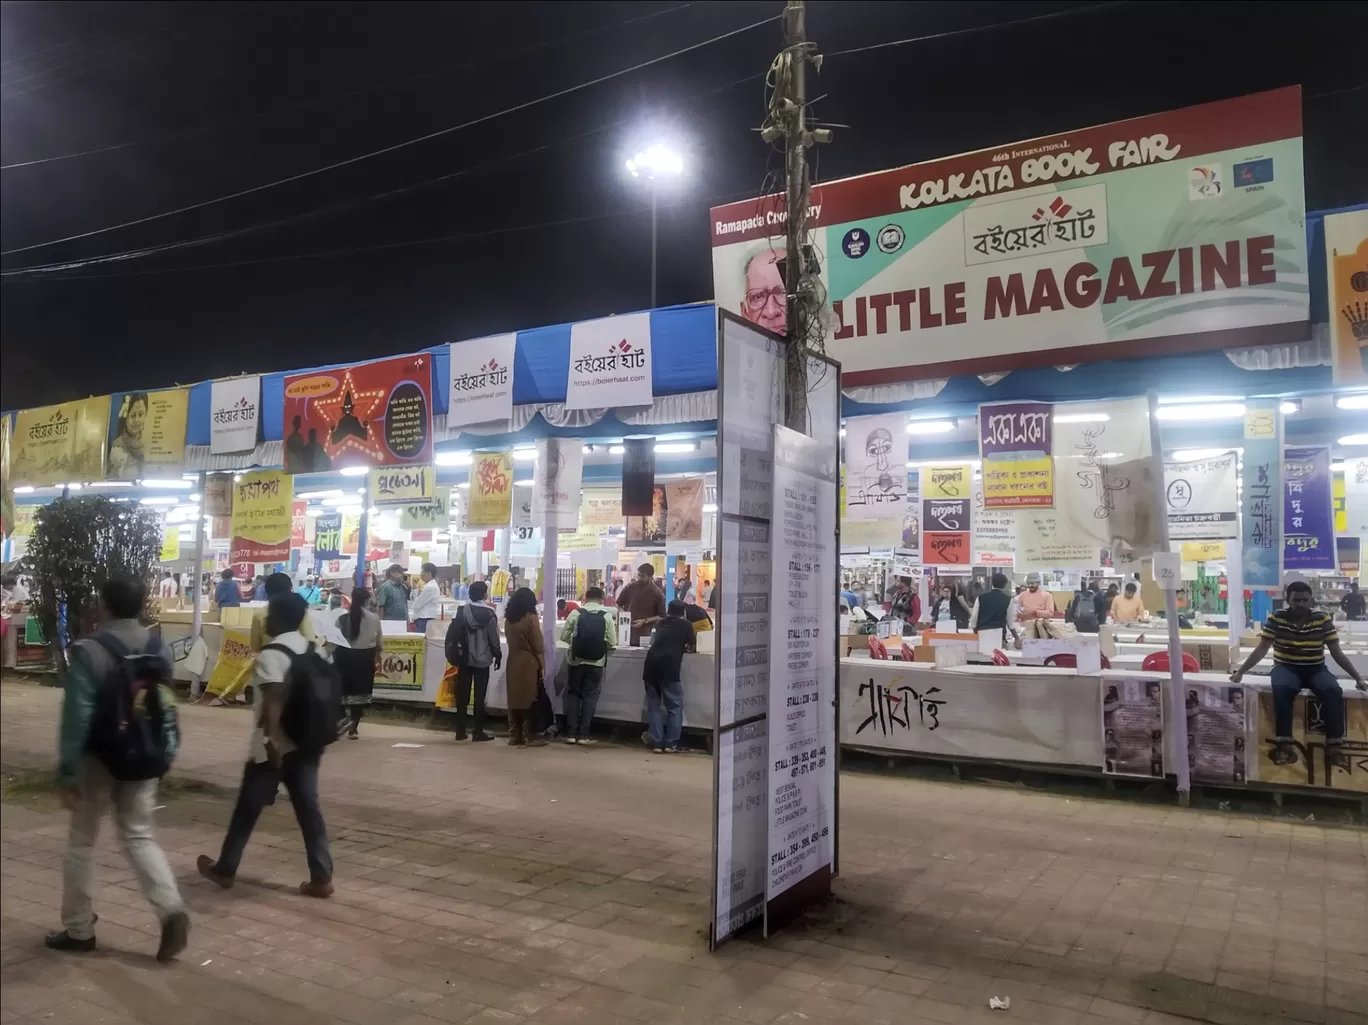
x=1016 y=448
x=299 y=521
x=1349 y=553
x=401 y=664
x=434 y=515
x=328 y=537
x=1261 y=500
x=556 y=485
x=1216 y=733
x=1346 y=259
x=263 y=509
x=610 y=363
x=147 y=433
x=946 y=528
x=481 y=380
x=1356 y=496
x=677 y=516
x=1312 y=765
x=60 y=444
x=392 y=487
x=1202 y=498
x=491 y=489
x=368 y=414
x=234 y=414
x=1146 y=237
x=218 y=494
x=1308 y=509
x=876 y=467
x=995 y=536
x=1132 y=727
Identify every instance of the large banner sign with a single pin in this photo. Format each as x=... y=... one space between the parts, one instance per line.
x=556 y=487
x=610 y=363
x=263 y=508
x=376 y=414
x=1346 y=258
x=1308 y=512
x=147 y=433
x=234 y=413
x=1202 y=498
x=1016 y=446
x=60 y=444
x=408 y=485
x=1261 y=501
x=491 y=489
x=481 y=380
x=1162 y=234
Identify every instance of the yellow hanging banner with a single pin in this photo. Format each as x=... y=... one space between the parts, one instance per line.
x=947 y=481
x=1340 y=496
x=263 y=514
x=1202 y=551
x=401 y=664
x=60 y=444
x=147 y=433
x=491 y=490
x=436 y=515
x=402 y=485
x=170 y=544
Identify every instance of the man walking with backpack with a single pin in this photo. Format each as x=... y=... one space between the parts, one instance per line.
x=119 y=735
x=589 y=631
x=298 y=714
x=472 y=645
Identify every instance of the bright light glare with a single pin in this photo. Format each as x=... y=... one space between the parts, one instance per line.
x=676 y=446
x=1354 y=439
x=350 y=510
x=1213 y=411
x=1353 y=402
x=330 y=493
x=24 y=489
x=166 y=484
x=1081 y=418
x=522 y=483
x=524 y=455
x=930 y=427
x=710 y=508
x=454 y=459
x=354 y=471
x=655 y=162
x=161 y=500
x=313 y=511
x=1288 y=407
x=1187 y=455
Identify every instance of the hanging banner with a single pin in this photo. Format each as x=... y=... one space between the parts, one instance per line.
x=1346 y=260
x=298 y=523
x=946 y=482
x=995 y=534
x=1308 y=509
x=435 y=515
x=1202 y=551
x=481 y=380
x=218 y=494
x=522 y=513
x=491 y=489
x=263 y=502
x=60 y=444
x=1045 y=542
x=351 y=535
x=556 y=486
x=6 y=493
x=170 y=549
x=648 y=531
x=1261 y=500
x=408 y=485
x=684 y=510
x=1105 y=486
x=1356 y=496
x=1349 y=553
x=328 y=537
x=1132 y=727
x=946 y=525
x=147 y=433
x=1202 y=498
x=601 y=507
x=1017 y=448
x=875 y=467
x=25 y=517
x=638 y=477
x=234 y=414
x=1147 y=237
x=376 y=414
x=610 y=363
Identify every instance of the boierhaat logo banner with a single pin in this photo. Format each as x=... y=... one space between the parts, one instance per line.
x=481 y=383
x=235 y=412
x=610 y=363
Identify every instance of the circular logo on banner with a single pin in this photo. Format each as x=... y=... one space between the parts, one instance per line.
x=551 y=472
x=856 y=243
x=890 y=238
x=1179 y=494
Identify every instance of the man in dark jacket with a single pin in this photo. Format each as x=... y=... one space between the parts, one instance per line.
x=478 y=625
x=990 y=608
x=663 y=677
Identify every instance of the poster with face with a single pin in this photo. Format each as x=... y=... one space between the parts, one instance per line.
x=876 y=467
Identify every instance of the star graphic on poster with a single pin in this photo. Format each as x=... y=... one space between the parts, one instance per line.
x=350 y=411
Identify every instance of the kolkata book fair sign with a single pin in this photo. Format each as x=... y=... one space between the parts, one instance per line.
x=481 y=380
x=610 y=363
x=398 y=486
x=1308 y=509
x=876 y=467
x=1261 y=500
x=234 y=414
x=263 y=512
x=1156 y=235
x=1016 y=447
x=1202 y=497
x=371 y=414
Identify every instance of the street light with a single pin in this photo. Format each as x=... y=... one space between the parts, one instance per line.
x=653 y=163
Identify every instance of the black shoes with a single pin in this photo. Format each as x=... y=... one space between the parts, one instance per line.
x=175 y=933
x=67 y=943
x=479 y=737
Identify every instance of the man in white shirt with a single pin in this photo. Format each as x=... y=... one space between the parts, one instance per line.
x=428 y=603
x=273 y=759
x=167 y=587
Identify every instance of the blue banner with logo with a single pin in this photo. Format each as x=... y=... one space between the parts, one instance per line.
x=1261 y=501
x=1308 y=509
x=328 y=537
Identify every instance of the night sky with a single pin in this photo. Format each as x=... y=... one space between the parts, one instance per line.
x=226 y=96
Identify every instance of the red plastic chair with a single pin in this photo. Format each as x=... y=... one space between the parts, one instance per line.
x=907 y=655
x=1000 y=658
x=877 y=648
x=1062 y=660
x=1158 y=662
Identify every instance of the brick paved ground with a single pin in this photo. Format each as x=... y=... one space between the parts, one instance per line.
x=558 y=886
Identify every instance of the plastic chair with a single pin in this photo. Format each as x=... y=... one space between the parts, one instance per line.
x=1062 y=660
x=877 y=649
x=1158 y=662
x=907 y=655
x=1000 y=658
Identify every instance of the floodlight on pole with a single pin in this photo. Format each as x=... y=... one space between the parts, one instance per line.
x=653 y=163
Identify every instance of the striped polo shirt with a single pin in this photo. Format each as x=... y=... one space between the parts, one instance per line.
x=1299 y=643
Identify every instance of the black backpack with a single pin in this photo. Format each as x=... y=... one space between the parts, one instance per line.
x=458 y=640
x=312 y=716
x=134 y=730
x=588 y=643
x=1085 y=615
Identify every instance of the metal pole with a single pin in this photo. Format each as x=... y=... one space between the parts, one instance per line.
x=193 y=584
x=362 y=541
x=795 y=169
x=1177 y=710
x=653 y=243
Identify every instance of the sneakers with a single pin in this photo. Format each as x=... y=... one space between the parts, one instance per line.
x=657 y=750
x=1283 y=753
x=586 y=740
x=67 y=943
x=572 y=740
x=481 y=737
x=209 y=869
x=175 y=934
x=320 y=890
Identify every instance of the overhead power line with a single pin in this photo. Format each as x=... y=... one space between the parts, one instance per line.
x=978 y=28
x=396 y=146
x=336 y=97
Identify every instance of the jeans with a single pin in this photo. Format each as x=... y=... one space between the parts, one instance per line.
x=132 y=804
x=299 y=773
x=421 y=625
x=665 y=723
x=480 y=678
x=1288 y=681
x=581 y=698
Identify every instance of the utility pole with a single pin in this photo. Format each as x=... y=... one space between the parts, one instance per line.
x=788 y=119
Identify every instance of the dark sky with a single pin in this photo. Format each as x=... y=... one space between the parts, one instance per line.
x=225 y=96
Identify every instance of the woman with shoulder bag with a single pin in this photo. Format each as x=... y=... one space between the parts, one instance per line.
x=526 y=665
